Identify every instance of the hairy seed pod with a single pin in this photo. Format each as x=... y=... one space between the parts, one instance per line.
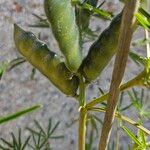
x=61 y=16
x=101 y=51
x=46 y=61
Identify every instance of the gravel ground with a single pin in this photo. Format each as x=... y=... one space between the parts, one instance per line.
x=18 y=91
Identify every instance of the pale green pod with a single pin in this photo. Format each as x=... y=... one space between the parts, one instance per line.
x=61 y=15
x=46 y=61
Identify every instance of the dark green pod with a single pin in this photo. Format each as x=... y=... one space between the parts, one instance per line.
x=46 y=61
x=101 y=51
x=61 y=16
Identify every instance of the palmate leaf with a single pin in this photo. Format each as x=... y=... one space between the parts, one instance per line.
x=16 y=143
x=140 y=141
x=135 y=101
x=41 y=137
x=121 y=108
x=137 y=58
x=139 y=104
x=126 y=107
x=132 y=136
x=20 y=113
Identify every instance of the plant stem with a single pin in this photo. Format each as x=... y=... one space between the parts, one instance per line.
x=126 y=31
x=147 y=45
x=134 y=82
x=82 y=117
x=82 y=87
x=124 y=118
x=147 y=34
x=82 y=128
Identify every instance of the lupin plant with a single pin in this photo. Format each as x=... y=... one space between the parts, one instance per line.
x=68 y=19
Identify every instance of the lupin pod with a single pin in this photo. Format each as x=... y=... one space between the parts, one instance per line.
x=46 y=61
x=61 y=16
x=101 y=51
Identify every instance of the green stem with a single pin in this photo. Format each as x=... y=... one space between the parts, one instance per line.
x=82 y=128
x=123 y=118
x=82 y=117
x=134 y=82
x=81 y=92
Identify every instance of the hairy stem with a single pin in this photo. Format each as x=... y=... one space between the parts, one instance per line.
x=128 y=20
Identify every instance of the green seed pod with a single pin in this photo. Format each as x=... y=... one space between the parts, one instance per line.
x=46 y=61
x=61 y=16
x=101 y=51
